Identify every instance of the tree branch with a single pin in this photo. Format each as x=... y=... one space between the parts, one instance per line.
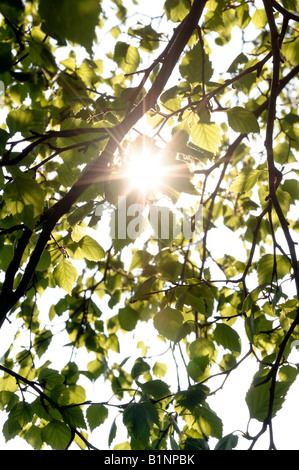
x=99 y=168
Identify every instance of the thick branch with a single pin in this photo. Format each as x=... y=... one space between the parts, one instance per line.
x=99 y=168
x=285 y=12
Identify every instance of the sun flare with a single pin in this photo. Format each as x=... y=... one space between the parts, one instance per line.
x=144 y=172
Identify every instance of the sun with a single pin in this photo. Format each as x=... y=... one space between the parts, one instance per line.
x=144 y=172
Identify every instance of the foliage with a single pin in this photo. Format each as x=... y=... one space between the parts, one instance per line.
x=77 y=106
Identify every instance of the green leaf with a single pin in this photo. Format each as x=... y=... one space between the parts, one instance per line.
x=196 y=444
x=258 y=396
x=96 y=415
x=70 y=373
x=245 y=180
x=156 y=388
x=228 y=442
x=50 y=378
x=210 y=423
x=202 y=347
x=227 y=337
x=140 y=259
x=144 y=288
x=112 y=432
x=265 y=268
x=77 y=393
x=198 y=369
x=191 y=65
x=12 y=9
x=32 y=435
x=127 y=57
x=128 y=318
x=135 y=418
x=21 y=414
x=73 y=416
x=75 y=22
x=159 y=369
x=176 y=10
x=91 y=249
x=290 y=50
x=189 y=400
x=25 y=199
x=183 y=331
x=140 y=367
x=259 y=18
x=206 y=136
x=44 y=261
x=26 y=120
x=242 y=120
x=42 y=341
x=56 y=434
x=65 y=275
x=78 y=232
x=168 y=322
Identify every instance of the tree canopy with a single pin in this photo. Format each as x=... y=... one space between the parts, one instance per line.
x=132 y=141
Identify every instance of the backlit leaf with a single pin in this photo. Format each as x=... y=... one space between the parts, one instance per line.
x=206 y=136
x=156 y=388
x=96 y=415
x=135 y=418
x=56 y=434
x=168 y=322
x=65 y=275
x=75 y=22
x=242 y=120
x=267 y=271
x=227 y=337
x=25 y=198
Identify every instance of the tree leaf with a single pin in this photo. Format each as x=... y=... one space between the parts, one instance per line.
x=206 y=136
x=266 y=268
x=259 y=18
x=191 y=66
x=96 y=415
x=32 y=435
x=258 y=396
x=245 y=180
x=176 y=10
x=127 y=57
x=128 y=318
x=242 y=120
x=75 y=22
x=73 y=416
x=25 y=199
x=210 y=423
x=227 y=337
x=228 y=442
x=56 y=434
x=26 y=120
x=144 y=288
x=156 y=388
x=196 y=444
x=168 y=322
x=140 y=367
x=112 y=432
x=91 y=249
x=65 y=275
x=135 y=418
x=202 y=347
